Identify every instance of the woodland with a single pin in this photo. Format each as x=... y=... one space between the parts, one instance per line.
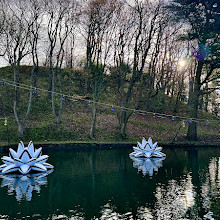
x=83 y=69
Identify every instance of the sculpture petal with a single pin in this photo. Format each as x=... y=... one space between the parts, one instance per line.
x=132 y=154
x=147 y=148
x=140 y=145
x=13 y=153
x=147 y=154
x=20 y=149
x=150 y=142
x=144 y=142
x=24 y=169
x=139 y=154
x=42 y=159
x=25 y=156
x=48 y=166
x=18 y=162
x=31 y=148
x=31 y=162
x=136 y=149
x=39 y=167
x=158 y=149
x=37 y=153
x=164 y=155
x=154 y=145
x=3 y=166
x=158 y=154
x=10 y=168
x=7 y=160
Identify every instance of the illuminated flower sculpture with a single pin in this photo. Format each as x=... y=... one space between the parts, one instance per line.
x=147 y=149
x=25 y=160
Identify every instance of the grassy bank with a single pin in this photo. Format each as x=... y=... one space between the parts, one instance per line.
x=76 y=118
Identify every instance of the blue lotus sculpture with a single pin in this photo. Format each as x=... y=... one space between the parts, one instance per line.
x=147 y=149
x=25 y=160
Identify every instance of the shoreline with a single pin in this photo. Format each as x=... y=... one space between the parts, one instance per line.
x=97 y=145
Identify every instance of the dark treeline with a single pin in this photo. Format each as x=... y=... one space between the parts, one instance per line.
x=141 y=49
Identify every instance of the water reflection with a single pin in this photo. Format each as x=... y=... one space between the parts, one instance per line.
x=108 y=211
x=147 y=165
x=105 y=185
x=175 y=199
x=211 y=190
x=24 y=185
x=145 y=213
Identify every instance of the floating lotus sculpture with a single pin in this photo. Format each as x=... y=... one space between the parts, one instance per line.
x=147 y=165
x=25 y=160
x=24 y=185
x=147 y=149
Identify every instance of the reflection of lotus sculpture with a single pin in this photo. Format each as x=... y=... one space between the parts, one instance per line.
x=24 y=185
x=147 y=149
x=25 y=160
x=147 y=165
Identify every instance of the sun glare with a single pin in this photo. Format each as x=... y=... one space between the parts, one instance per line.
x=182 y=63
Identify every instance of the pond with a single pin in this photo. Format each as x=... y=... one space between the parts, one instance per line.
x=107 y=184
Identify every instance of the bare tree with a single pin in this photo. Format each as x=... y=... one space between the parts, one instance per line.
x=146 y=16
x=99 y=29
x=60 y=25
x=20 y=36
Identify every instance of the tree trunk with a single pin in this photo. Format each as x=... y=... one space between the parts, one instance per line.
x=93 y=126
x=176 y=106
x=35 y=73
x=192 y=127
x=50 y=87
x=58 y=119
x=206 y=101
x=57 y=113
x=86 y=86
x=20 y=129
x=190 y=91
x=53 y=94
x=124 y=120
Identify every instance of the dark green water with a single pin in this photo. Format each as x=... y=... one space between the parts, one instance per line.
x=103 y=184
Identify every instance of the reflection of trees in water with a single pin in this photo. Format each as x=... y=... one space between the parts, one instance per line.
x=174 y=200
x=108 y=211
x=210 y=190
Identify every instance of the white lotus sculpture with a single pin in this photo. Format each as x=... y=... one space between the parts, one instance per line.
x=24 y=185
x=25 y=160
x=147 y=165
x=147 y=149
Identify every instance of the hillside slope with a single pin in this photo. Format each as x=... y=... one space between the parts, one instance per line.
x=76 y=116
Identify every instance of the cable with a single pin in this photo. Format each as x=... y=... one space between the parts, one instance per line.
x=72 y=98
